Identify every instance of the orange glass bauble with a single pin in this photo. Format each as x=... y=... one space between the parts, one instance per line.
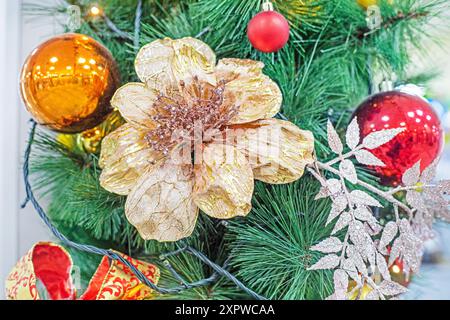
x=67 y=83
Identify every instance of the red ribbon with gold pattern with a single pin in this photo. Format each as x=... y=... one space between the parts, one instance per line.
x=52 y=265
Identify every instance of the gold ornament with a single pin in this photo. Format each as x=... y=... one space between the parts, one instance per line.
x=67 y=83
x=196 y=137
x=298 y=8
x=358 y=293
x=367 y=3
x=90 y=141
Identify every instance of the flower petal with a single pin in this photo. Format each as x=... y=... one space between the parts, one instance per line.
x=199 y=46
x=124 y=158
x=277 y=150
x=223 y=182
x=161 y=206
x=134 y=102
x=256 y=95
x=164 y=63
x=230 y=69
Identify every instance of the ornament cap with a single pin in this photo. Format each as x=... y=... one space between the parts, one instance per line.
x=386 y=85
x=267 y=6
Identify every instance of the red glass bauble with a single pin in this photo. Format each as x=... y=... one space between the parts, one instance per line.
x=268 y=31
x=422 y=140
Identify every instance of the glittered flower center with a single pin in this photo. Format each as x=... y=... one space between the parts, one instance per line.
x=192 y=114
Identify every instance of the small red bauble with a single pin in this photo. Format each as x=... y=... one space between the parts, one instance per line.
x=268 y=31
x=422 y=140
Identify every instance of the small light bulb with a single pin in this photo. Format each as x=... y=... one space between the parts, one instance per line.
x=95 y=11
x=396 y=269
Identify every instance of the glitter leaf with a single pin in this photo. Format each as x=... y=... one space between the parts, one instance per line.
x=362 y=241
x=340 y=279
x=376 y=139
x=342 y=222
x=330 y=245
x=434 y=198
x=352 y=135
x=330 y=261
x=357 y=260
x=334 y=141
x=444 y=187
x=363 y=213
x=373 y=228
x=369 y=250
x=334 y=186
x=396 y=249
x=359 y=197
x=429 y=173
x=323 y=193
x=389 y=232
x=414 y=199
x=405 y=227
x=390 y=288
x=412 y=175
x=337 y=207
x=348 y=171
x=367 y=158
x=412 y=247
x=382 y=267
x=357 y=233
x=351 y=270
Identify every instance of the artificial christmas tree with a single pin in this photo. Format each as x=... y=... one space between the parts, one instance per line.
x=307 y=229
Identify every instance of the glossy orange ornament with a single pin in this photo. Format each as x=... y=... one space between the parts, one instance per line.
x=67 y=83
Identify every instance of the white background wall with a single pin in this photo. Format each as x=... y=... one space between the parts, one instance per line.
x=34 y=31
x=19 y=229
x=9 y=134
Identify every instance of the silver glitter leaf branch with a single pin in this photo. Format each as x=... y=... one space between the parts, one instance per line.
x=366 y=243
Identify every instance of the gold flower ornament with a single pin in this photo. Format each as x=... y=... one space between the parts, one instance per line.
x=197 y=135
